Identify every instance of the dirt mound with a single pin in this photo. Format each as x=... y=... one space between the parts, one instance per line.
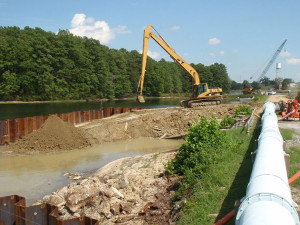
x=162 y=123
x=55 y=134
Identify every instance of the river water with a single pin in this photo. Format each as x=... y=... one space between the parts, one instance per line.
x=34 y=176
x=21 y=110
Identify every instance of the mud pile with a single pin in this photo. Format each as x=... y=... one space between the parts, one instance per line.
x=55 y=134
x=131 y=190
x=162 y=123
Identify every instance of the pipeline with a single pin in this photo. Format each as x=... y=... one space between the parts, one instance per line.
x=268 y=196
x=230 y=215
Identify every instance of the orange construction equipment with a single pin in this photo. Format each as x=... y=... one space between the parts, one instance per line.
x=292 y=110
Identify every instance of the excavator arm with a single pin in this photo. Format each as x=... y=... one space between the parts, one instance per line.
x=160 y=40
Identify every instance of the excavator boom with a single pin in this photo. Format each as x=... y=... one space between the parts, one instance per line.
x=161 y=41
x=199 y=90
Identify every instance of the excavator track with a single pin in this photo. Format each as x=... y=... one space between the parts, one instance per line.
x=199 y=103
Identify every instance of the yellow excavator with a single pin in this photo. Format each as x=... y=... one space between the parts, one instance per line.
x=201 y=94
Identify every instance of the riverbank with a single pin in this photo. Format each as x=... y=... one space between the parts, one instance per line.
x=172 y=122
x=130 y=190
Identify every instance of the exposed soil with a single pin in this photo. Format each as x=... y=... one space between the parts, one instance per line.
x=277 y=98
x=54 y=135
x=162 y=123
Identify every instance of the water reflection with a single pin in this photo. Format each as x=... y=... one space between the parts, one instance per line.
x=12 y=111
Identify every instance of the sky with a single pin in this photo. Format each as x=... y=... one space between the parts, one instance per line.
x=243 y=35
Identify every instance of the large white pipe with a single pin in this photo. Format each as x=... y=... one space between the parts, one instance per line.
x=268 y=197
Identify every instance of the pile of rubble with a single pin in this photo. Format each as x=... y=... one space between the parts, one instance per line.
x=131 y=190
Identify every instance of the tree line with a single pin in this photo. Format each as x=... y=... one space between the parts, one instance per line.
x=263 y=83
x=40 y=65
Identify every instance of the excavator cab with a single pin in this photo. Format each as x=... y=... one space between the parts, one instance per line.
x=199 y=89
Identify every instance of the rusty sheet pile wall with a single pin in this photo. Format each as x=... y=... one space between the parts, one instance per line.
x=13 y=211
x=13 y=129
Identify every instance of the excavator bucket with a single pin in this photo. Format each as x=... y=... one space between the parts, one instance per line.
x=140 y=99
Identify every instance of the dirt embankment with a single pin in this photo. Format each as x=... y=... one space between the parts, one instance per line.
x=56 y=135
x=162 y=123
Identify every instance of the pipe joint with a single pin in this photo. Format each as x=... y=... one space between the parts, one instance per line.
x=268 y=197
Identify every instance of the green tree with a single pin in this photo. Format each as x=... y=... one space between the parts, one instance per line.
x=8 y=85
x=220 y=76
x=236 y=86
x=265 y=81
x=256 y=85
x=246 y=84
x=286 y=82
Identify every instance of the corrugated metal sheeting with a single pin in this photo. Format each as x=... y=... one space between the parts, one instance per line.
x=13 y=211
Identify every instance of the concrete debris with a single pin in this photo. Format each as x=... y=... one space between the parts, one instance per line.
x=127 y=191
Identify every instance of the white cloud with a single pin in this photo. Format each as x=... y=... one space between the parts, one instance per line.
x=121 y=30
x=214 y=41
x=83 y=26
x=222 y=52
x=153 y=55
x=293 y=61
x=175 y=27
x=285 y=54
x=212 y=54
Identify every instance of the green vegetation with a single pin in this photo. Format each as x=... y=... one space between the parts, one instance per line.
x=155 y=156
x=287 y=134
x=204 y=144
x=216 y=167
x=260 y=98
x=40 y=65
x=264 y=84
x=227 y=122
x=294 y=163
x=243 y=110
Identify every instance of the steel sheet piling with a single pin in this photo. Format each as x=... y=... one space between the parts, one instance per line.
x=13 y=211
x=12 y=130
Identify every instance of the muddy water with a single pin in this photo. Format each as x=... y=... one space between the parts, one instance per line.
x=37 y=175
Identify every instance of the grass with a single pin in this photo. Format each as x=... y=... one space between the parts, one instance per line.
x=223 y=184
x=287 y=134
x=260 y=98
x=294 y=152
x=155 y=156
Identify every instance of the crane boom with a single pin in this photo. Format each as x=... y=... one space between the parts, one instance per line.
x=271 y=61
